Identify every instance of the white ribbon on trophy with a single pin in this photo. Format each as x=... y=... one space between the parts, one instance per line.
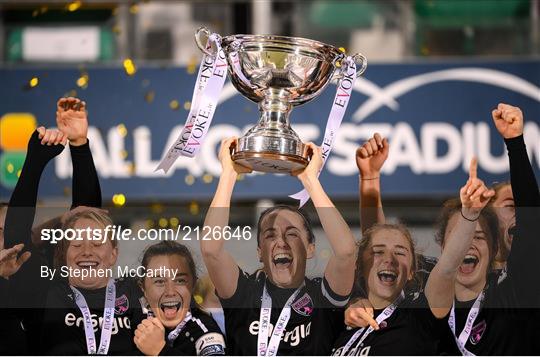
x=339 y=106
x=210 y=80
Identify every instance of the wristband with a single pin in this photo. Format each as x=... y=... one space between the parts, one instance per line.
x=468 y=219
x=368 y=179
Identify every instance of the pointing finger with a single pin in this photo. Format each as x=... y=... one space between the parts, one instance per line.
x=473 y=168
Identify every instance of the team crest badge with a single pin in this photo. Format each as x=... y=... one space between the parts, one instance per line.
x=477 y=332
x=121 y=305
x=304 y=305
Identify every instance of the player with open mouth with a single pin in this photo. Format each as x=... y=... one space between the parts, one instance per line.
x=278 y=310
x=175 y=325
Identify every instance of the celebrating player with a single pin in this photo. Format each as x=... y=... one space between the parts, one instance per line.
x=175 y=325
x=278 y=310
x=63 y=315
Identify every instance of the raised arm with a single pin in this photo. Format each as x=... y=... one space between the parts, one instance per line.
x=509 y=122
x=43 y=146
x=339 y=271
x=370 y=158
x=222 y=268
x=71 y=118
x=440 y=287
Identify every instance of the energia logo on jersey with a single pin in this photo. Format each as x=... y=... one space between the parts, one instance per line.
x=293 y=337
x=97 y=322
x=355 y=351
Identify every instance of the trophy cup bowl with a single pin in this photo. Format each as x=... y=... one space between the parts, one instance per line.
x=278 y=73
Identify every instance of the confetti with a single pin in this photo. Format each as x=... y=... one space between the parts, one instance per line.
x=74 y=6
x=10 y=168
x=207 y=178
x=82 y=81
x=194 y=208
x=187 y=105
x=189 y=180
x=173 y=222
x=119 y=199
x=33 y=82
x=134 y=8
x=163 y=222
x=149 y=96
x=174 y=104
x=129 y=66
x=122 y=130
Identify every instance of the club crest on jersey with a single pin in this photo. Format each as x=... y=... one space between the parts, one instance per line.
x=304 y=305
x=477 y=332
x=121 y=305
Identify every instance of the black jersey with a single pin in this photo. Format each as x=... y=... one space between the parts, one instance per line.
x=410 y=330
x=200 y=336
x=316 y=316
x=62 y=329
x=505 y=324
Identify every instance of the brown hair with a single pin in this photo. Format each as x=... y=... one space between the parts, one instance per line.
x=168 y=247
x=267 y=212
x=92 y=214
x=498 y=187
x=488 y=221
x=360 y=287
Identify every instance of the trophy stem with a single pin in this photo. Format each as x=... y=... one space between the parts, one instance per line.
x=274 y=113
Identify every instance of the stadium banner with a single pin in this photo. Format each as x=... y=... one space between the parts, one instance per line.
x=436 y=115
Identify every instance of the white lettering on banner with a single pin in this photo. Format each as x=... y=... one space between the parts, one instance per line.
x=97 y=322
x=418 y=153
x=293 y=337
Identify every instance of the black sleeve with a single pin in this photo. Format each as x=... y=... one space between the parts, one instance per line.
x=240 y=298
x=521 y=261
x=86 y=189
x=22 y=205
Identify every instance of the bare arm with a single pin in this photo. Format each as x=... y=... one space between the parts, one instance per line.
x=222 y=268
x=440 y=290
x=339 y=271
x=370 y=158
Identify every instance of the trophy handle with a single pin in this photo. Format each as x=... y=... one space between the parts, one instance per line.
x=201 y=39
x=360 y=60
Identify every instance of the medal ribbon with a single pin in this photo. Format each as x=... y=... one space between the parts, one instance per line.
x=108 y=318
x=471 y=317
x=265 y=348
x=174 y=333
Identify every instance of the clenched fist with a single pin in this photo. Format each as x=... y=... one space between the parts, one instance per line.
x=508 y=120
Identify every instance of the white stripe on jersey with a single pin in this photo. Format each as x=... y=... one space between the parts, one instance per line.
x=329 y=297
x=200 y=323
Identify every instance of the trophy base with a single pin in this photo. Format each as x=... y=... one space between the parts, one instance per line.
x=270 y=162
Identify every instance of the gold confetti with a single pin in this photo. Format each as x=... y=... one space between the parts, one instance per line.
x=149 y=96
x=34 y=82
x=129 y=66
x=10 y=168
x=74 y=6
x=207 y=178
x=124 y=154
x=149 y=223
x=119 y=199
x=117 y=29
x=342 y=49
x=132 y=168
x=198 y=299
x=194 y=208
x=43 y=9
x=163 y=222
x=189 y=179
x=82 y=81
x=174 y=104
x=192 y=65
x=122 y=130
x=240 y=177
x=71 y=93
x=187 y=105
x=156 y=208
x=173 y=222
x=19 y=173
x=134 y=8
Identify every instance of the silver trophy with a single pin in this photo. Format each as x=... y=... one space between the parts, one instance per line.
x=278 y=73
